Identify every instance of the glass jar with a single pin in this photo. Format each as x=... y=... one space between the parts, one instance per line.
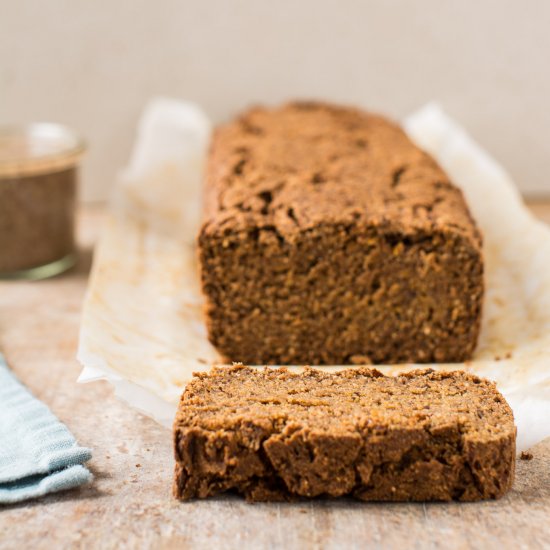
x=38 y=183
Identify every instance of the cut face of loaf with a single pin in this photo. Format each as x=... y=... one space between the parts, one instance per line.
x=329 y=238
x=272 y=435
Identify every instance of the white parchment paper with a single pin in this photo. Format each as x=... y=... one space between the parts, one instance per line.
x=142 y=327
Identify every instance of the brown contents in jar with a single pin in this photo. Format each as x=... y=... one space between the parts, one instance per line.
x=36 y=219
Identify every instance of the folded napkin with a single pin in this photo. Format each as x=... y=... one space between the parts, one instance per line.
x=38 y=454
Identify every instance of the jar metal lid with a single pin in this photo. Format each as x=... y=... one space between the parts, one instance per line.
x=38 y=148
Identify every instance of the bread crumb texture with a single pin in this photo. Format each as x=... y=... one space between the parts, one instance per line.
x=269 y=434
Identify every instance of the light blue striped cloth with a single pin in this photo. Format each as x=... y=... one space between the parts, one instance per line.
x=38 y=454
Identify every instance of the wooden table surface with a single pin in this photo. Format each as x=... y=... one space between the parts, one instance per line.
x=129 y=503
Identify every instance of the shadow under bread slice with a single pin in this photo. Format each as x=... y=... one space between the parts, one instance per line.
x=269 y=434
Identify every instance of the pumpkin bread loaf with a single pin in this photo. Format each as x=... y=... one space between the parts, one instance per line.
x=330 y=238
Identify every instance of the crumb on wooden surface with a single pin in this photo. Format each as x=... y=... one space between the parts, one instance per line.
x=526 y=455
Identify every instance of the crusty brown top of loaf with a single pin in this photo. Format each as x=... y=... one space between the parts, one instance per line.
x=344 y=401
x=306 y=164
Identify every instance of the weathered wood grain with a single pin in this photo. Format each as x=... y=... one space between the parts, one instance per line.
x=130 y=505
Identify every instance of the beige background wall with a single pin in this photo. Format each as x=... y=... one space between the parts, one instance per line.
x=93 y=65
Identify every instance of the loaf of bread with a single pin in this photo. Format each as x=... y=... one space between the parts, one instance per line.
x=272 y=435
x=330 y=238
